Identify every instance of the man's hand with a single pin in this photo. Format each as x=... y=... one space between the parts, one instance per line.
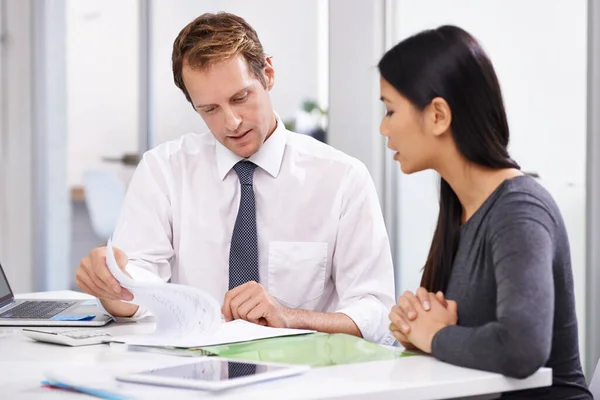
x=252 y=303
x=93 y=277
x=421 y=330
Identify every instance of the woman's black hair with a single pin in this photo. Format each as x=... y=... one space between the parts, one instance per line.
x=448 y=62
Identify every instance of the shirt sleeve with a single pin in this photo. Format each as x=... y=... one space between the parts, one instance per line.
x=143 y=230
x=362 y=263
x=518 y=342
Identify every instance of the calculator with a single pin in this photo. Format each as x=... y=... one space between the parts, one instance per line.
x=72 y=337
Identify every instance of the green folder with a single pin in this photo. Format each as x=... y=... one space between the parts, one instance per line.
x=315 y=349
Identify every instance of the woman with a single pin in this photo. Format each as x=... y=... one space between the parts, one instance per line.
x=500 y=250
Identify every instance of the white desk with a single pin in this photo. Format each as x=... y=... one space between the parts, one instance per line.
x=23 y=363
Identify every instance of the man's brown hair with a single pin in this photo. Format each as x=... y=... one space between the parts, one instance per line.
x=212 y=38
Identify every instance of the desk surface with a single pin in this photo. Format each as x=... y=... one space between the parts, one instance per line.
x=24 y=362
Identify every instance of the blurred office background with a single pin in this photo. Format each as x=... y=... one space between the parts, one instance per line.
x=86 y=87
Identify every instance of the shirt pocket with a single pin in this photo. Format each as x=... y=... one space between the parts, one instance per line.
x=297 y=271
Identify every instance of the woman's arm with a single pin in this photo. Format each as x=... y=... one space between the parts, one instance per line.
x=519 y=341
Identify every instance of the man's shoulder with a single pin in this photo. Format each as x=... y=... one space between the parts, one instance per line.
x=310 y=148
x=189 y=143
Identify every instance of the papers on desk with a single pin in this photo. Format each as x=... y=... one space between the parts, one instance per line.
x=228 y=332
x=185 y=316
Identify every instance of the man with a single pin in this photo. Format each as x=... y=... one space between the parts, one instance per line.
x=287 y=230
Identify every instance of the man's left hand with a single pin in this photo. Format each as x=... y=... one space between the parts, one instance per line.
x=252 y=303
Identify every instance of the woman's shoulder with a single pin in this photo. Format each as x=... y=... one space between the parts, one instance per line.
x=523 y=200
x=526 y=191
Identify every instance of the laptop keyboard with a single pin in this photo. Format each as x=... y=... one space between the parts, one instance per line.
x=37 y=309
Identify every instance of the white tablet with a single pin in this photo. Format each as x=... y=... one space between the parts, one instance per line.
x=212 y=373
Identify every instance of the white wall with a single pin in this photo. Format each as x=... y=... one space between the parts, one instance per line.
x=102 y=83
x=539 y=51
x=52 y=206
x=16 y=172
x=356 y=45
x=288 y=31
x=34 y=212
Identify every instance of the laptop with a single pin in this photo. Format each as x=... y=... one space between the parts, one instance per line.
x=40 y=312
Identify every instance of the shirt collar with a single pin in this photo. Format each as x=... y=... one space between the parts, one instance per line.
x=269 y=157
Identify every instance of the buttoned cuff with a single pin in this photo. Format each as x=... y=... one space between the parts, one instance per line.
x=370 y=315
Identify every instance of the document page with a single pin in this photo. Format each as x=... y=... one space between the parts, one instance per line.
x=185 y=316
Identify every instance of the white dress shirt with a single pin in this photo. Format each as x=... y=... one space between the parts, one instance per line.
x=322 y=242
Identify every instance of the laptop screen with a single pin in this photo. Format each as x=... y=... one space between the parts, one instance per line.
x=5 y=292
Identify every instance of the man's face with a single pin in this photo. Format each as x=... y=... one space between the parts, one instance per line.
x=235 y=106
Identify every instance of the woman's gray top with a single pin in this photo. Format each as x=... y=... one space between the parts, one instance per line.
x=513 y=283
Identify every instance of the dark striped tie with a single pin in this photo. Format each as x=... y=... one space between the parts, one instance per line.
x=243 y=254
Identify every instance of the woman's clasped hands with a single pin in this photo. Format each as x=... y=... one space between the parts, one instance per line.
x=417 y=318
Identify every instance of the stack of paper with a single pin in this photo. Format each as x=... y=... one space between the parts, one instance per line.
x=186 y=316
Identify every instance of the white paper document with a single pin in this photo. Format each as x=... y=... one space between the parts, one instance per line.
x=185 y=316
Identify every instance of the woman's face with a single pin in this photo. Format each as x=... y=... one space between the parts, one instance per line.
x=410 y=132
